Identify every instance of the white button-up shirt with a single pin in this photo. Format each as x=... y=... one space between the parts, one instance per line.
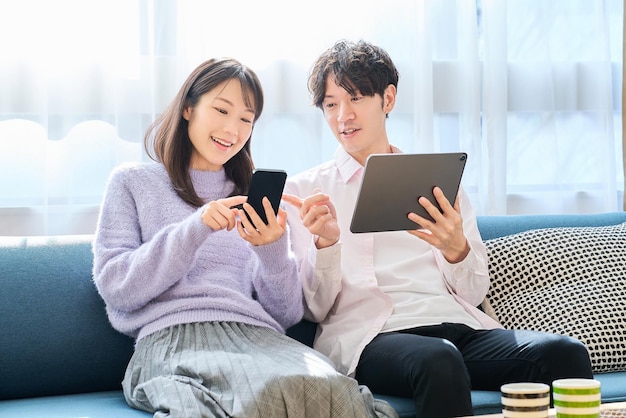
x=348 y=287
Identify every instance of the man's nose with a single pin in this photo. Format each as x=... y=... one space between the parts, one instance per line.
x=345 y=112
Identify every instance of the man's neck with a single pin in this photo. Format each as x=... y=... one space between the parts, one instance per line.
x=361 y=157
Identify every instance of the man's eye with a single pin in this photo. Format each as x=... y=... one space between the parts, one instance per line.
x=246 y=120
x=329 y=105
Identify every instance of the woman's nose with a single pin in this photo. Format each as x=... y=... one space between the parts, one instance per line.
x=231 y=127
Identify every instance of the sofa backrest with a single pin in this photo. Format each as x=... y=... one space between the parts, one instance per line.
x=498 y=226
x=55 y=337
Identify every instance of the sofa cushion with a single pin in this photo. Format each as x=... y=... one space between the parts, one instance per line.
x=106 y=404
x=568 y=280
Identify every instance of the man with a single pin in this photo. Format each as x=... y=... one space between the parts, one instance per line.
x=397 y=310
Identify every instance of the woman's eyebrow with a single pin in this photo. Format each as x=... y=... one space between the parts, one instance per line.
x=224 y=100
x=248 y=109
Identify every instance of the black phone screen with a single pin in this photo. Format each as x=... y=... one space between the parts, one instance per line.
x=268 y=183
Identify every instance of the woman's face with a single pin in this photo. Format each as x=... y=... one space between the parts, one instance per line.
x=219 y=126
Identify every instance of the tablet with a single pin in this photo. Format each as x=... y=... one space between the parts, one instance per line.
x=392 y=183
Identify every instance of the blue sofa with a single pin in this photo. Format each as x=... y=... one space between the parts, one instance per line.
x=59 y=356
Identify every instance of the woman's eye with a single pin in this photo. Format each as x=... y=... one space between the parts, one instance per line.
x=222 y=111
x=246 y=120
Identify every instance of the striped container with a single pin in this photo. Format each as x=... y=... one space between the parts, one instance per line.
x=577 y=398
x=525 y=400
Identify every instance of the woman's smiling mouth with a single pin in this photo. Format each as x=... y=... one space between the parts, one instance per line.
x=219 y=141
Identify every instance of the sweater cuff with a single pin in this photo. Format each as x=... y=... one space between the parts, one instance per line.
x=274 y=255
x=197 y=231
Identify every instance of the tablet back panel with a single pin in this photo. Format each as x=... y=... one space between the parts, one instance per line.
x=392 y=183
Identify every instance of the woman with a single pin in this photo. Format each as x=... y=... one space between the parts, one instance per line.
x=206 y=295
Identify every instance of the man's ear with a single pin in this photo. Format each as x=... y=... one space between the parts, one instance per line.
x=389 y=98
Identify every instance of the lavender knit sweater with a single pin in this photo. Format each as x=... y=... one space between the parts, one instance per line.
x=156 y=264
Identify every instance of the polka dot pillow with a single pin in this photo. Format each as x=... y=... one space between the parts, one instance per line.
x=569 y=280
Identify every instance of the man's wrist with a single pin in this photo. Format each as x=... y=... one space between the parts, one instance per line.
x=459 y=256
x=321 y=242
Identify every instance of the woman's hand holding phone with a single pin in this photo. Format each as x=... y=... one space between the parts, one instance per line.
x=264 y=233
x=265 y=183
x=222 y=214
x=261 y=219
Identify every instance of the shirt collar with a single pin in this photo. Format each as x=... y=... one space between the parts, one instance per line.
x=348 y=167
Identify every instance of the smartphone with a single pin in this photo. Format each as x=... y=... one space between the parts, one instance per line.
x=266 y=182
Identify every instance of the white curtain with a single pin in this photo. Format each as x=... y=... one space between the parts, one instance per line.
x=551 y=106
x=530 y=89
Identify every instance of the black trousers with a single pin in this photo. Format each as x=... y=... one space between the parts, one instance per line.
x=439 y=365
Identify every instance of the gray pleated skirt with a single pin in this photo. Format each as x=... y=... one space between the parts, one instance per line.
x=221 y=369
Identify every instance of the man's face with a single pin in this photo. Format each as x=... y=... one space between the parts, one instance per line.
x=358 y=122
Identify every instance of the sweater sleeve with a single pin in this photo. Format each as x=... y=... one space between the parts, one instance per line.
x=128 y=272
x=277 y=287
